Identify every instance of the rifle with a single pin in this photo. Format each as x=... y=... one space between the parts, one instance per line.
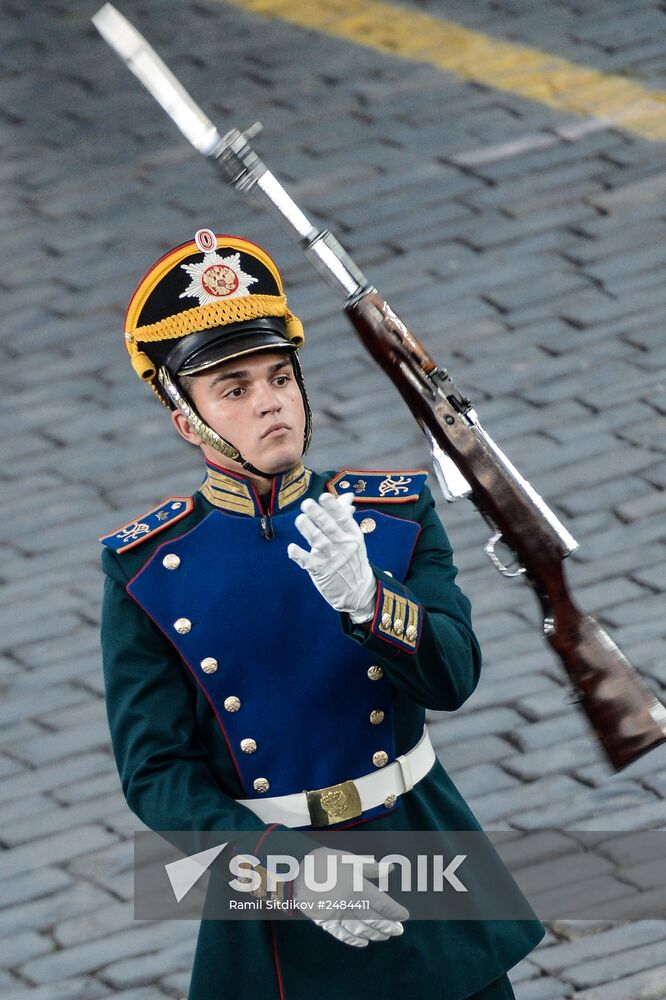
x=623 y=712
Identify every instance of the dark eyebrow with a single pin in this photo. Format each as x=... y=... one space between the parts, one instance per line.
x=229 y=376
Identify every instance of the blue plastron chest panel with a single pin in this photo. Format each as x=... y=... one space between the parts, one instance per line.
x=292 y=693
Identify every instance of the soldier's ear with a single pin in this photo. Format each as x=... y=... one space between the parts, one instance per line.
x=182 y=425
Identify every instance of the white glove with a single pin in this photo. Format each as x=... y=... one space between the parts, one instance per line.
x=337 y=562
x=382 y=915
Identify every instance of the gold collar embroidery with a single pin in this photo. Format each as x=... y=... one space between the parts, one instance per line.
x=238 y=496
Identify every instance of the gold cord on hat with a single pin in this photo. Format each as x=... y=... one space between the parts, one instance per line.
x=238 y=310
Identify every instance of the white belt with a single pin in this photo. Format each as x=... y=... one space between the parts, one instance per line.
x=348 y=799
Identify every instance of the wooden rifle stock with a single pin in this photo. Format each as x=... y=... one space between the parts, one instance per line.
x=623 y=712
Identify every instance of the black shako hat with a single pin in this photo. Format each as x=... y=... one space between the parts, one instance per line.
x=205 y=302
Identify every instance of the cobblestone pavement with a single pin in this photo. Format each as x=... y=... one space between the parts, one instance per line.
x=523 y=245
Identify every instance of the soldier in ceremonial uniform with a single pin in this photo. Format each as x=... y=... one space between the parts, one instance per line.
x=285 y=630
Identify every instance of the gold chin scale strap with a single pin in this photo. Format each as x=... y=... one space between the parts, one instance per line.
x=204 y=430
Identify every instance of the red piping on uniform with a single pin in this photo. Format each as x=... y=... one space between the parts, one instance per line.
x=271 y=924
x=194 y=674
x=189 y=507
x=411 y=498
x=247 y=482
x=277 y=962
x=268 y=829
x=271 y=502
x=398 y=520
x=374 y=622
x=381 y=587
x=380 y=472
x=227 y=472
x=163 y=545
x=222 y=468
x=256 y=498
x=411 y=554
x=377 y=601
x=367 y=819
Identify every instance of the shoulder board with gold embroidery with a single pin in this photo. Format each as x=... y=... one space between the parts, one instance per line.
x=374 y=486
x=137 y=531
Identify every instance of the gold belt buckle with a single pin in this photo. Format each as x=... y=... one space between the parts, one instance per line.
x=334 y=804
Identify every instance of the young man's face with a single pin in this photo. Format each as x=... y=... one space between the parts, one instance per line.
x=255 y=403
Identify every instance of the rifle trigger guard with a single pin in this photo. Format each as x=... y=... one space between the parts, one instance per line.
x=489 y=549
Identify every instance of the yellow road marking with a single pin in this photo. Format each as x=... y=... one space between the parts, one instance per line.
x=530 y=73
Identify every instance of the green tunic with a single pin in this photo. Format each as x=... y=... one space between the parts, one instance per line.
x=177 y=772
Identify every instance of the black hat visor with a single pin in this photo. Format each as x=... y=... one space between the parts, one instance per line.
x=206 y=348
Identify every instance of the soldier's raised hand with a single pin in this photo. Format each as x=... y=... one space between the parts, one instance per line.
x=337 y=561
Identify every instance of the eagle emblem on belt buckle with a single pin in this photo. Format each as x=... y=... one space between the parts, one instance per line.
x=334 y=804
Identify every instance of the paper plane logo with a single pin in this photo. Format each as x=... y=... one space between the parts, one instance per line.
x=186 y=873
